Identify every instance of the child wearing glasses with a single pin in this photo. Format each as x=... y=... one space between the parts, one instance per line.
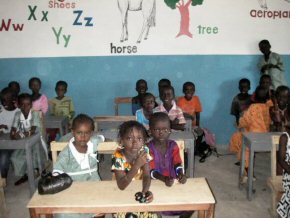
x=166 y=164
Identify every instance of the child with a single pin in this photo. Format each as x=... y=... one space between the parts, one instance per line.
x=241 y=101
x=283 y=207
x=190 y=104
x=15 y=87
x=166 y=164
x=271 y=64
x=141 y=88
x=143 y=114
x=130 y=160
x=79 y=158
x=278 y=111
x=266 y=83
x=25 y=124
x=6 y=118
x=40 y=102
x=169 y=106
x=255 y=119
x=162 y=83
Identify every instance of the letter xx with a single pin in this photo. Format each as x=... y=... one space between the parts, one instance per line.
x=33 y=16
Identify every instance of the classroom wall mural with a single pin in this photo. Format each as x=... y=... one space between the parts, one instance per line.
x=61 y=28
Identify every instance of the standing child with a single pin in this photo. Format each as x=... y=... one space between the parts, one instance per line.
x=130 y=160
x=169 y=106
x=166 y=164
x=7 y=114
x=241 y=101
x=141 y=88
x=79 y=158
x=40 y=102
x=26 y=122
x=190 y=103
x=271 y=64
x=283 y=207
x=143 y=114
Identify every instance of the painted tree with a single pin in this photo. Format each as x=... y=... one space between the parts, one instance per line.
x=184 y=13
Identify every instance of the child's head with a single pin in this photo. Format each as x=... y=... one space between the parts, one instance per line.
x=188 y=90
x=261 y=94
x=162 y=83
x=34 y=84
x=265 y=81
x=244 y=85
x=14 y=86
x=132 y=136
x=82 y=129
x=25 y=103
x=159 y=125
x=148 y=102
x=141 y=86
x=60 y=88
x=282 y=96
x=167 y=94
x=8 y=97
x=264 y=46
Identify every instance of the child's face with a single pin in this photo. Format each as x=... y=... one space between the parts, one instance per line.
x=161 y=85
x=266 y=83
x=133 y=141
x=82 y=134
x=148 y=103
x=60 y=91
x=7 y=101
x=35 y=86
x=167 y=96
x=282 y=99
x=160 y=131
x=189 y=91
x=141 y=88
x=25 y=106
x=15 y=88
x=265 y=48
x=244 y=88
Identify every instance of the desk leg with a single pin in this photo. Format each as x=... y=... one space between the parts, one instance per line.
x=190 y=150
x=250 y=175
x=61 y=130
x=210 y=212
x=201 y=214
x=38 y=150
x=30 y=171
x=33 y=213
x=242 y=163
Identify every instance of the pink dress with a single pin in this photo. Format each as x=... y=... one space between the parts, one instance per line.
x=41 y=104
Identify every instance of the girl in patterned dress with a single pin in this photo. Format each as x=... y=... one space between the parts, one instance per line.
x=283 y=207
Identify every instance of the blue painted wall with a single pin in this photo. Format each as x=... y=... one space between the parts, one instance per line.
x=94 y=82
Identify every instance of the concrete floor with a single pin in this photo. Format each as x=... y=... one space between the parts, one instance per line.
x=220 y=172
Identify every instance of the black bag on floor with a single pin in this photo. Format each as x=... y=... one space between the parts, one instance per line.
x=49 y=184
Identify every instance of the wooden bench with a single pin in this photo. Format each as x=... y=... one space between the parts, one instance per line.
x=3 y=207
x=275 y=181
x=110 y=122
x=121 y=100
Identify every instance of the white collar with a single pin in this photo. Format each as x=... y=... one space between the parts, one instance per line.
x=173 y=106
x=26 y=122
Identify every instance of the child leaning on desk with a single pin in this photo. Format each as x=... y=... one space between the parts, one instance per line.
x=79 y=158
x=130 y=161
x=166 y=164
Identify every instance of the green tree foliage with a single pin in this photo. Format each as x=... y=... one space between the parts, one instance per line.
x=172 y=3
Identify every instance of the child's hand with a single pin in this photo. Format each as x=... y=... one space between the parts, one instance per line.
x=149 y=196
x=182 y=178
x=169 y=181
x=141 y=159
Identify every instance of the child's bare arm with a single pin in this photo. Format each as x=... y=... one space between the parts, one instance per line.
x=166 y=179
x=175 y=125
x=146 y=178
x=282 y=153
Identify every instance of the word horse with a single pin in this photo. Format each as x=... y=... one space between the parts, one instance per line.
x=263 y=3
x=148 y=8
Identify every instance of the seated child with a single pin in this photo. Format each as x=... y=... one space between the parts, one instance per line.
x=130 y=161
x=7 y=114
x=283 y=207
x=255 y=119
x=26 y=122
x=143 y=114
x=163 y=82
x=40 y=102
x=79 y=158
x=190 y=103
x=265 y=82
x=277 y=112
x=61 y=105
x=141 y=88
x=169 y=106
x=166 y=164
x=241 y=101
x=15 y=87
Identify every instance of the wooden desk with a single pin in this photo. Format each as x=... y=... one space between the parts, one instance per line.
x=105 y=197
x=256 y=142
x=57 y=122
x=110 y=122
x=27 y=144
